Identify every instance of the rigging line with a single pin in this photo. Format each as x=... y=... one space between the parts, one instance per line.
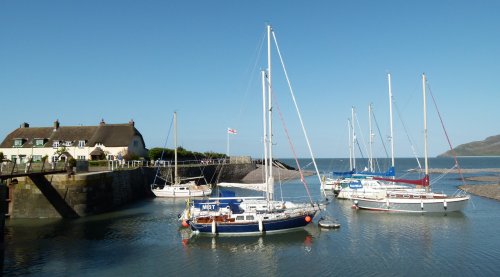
x=380 y=134
x=447 y=137
x=258 y=51
x=302 y=179
x=362 y=137
x=163 y=150
x=407 y=135
x=297 y=108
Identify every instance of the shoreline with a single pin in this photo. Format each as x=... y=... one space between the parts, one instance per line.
x=257 y=175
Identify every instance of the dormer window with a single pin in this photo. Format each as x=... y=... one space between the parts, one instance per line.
x=18 y=142
x=39 y=142
x=55 y=144
x=81 y=143
x=68 y=143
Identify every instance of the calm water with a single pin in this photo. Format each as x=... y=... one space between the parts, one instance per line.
x=145 y=239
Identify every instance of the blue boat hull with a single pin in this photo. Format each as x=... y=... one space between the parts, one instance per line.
x=252 y=228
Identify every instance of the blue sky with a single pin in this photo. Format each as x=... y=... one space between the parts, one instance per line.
x=83 y=61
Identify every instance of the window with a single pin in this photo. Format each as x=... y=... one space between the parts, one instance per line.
x=68 y=143
x=81 y=158
x=240 y=217
x=13 y=158
x=18 y=142
x=55 y=159
x=81 y=143
x=55 y=144
x=37 y=158
x=39 y=142
x=111 y=157
x=249 y=217
x=136 y=143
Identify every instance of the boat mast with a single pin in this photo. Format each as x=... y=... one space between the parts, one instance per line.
x=270 y=182
x=425 y=133
x=177 y=177
x=350 y=144
x=390 y=117
x=370 y=160
x=264 y=124
x=353 y=139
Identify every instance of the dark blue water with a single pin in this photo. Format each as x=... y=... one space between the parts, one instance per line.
x=145 y=239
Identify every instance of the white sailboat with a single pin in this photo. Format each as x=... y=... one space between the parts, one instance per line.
x=186 y=187
x=232 y=215
x=363 y=184
x=417 y=200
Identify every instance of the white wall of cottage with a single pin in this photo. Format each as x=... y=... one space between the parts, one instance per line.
x=74 y=151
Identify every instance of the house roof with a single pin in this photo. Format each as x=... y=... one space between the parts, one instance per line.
x=110 y=135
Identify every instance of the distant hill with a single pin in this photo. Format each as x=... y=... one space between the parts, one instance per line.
x=488 y=147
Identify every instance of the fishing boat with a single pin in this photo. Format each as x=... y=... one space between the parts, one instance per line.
x=232 y=215
x=181 y=187
x=417 y=200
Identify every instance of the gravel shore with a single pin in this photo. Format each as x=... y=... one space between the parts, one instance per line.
x=489 y=191
x=257 y=175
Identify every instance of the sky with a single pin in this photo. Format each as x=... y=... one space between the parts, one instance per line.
x=117 y=60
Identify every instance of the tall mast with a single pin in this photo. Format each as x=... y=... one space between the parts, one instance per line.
x=270 y=183
x=390 y=117
x=177 y=177
x=264 y=124
x=350 y=144
x=353 y=139
x=370 y=160
x=425 y=131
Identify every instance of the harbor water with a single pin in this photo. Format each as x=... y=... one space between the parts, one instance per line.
x=146 y=239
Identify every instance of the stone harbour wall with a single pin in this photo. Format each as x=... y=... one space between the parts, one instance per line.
x=98 y=192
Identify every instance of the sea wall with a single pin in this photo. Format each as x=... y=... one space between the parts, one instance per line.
x=86 y=194
x=98 y=192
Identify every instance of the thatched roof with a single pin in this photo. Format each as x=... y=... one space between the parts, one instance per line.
x=110 y=135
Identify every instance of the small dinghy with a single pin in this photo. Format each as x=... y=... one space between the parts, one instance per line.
x=328 y=223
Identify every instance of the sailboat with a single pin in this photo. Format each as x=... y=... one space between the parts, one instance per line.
x=186 y=187
x=351 y=184
x=232 y=215
x=416 y=200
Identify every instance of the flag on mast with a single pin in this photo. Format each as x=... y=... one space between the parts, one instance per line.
x=232 y=131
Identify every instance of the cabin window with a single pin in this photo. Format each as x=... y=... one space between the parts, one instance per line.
x=81 y=143
x=55 y=144
x=416 y=196
x=240 y=217
x=249 y=217
x=18 y=142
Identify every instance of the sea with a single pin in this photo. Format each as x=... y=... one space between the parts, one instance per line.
x=145 y=238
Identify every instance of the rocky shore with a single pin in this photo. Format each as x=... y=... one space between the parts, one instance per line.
x=490 y=190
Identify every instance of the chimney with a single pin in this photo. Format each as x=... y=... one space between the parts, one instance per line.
x=56 y=125
x=102 y=123
x=24 y=125
x=131 y=122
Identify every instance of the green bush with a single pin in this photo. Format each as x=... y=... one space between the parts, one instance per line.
x=98 y=163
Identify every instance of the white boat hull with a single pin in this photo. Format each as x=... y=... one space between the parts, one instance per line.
x=182 y=191
x=409 y=205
